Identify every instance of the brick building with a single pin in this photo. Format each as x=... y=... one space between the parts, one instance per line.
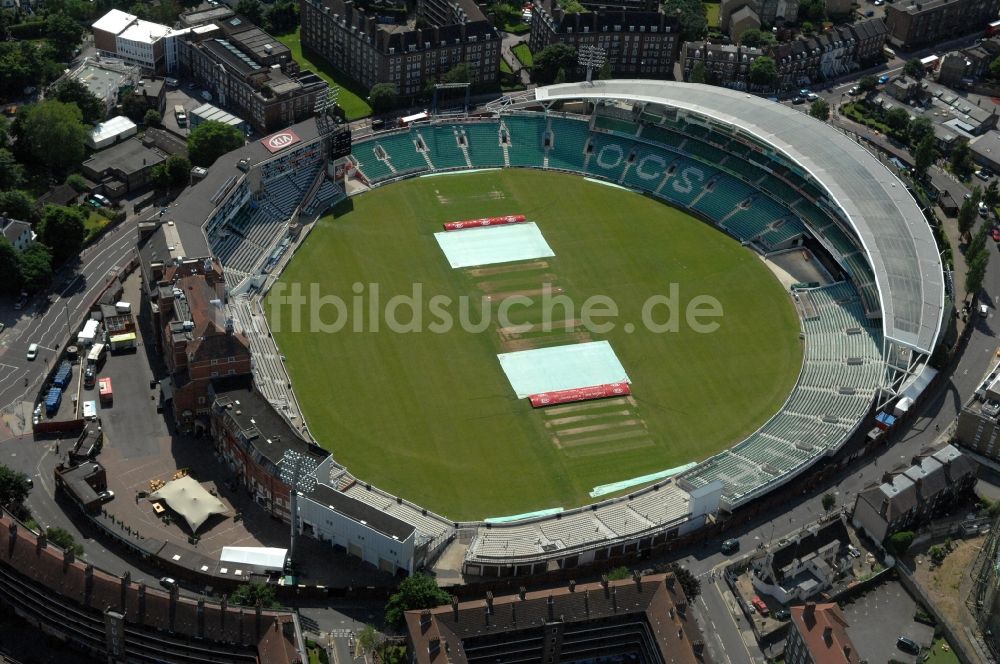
x=252 y=438
x=801 y=61
x=639 y=43
x=113 y=619
x=819 y=636
x=370 y=52
x=252 y=73
x=912 y=24
x=642 y=619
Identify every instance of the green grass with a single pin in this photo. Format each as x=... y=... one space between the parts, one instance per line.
x=352 y=96
x=431 y=417
x=938 y=655
x=94 y=224
x=519 y=28
x=523 y=53
x=712 y=11
x=505 y=68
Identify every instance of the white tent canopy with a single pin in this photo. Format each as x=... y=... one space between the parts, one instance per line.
x=190 y=500
x=259 y=557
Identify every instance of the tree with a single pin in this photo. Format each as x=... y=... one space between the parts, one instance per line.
x=550 y=60
x=72 y=91
x=697 y=74
x=457 y=74
x=210 y=140
x=133 y=106
x=976 y=271
x=35 y=264
x=64 y=539
x=43 y=126
x=820 y=109
x=14 y=488
x=914 y=68
x=383 y=96
x=967 y=214
x=898 y=120
x=619 y=573
x=995 y=68
x=754 y=37
x=868 y=83
x=249 y=594
x=978 y=242
x=418 y=591
x=152 y=118
x=763 y=71
x=368 y=639
x=691 y=14
x=961 y=159
x=63 y=231
x=63 y=34
x=689 y=582
x=252 y=10
x=11 y=172
x=10 y=267
x=807 y=27
x=828 y=501
x=937 y=554
x=924 y=155
x=901 y=541
x=282 y=17
x=178 y=170
x=919 y=129
x=18 y=204
x=992 y=195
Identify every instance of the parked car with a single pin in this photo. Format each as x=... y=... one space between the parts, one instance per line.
x=32 y=351
x=855 y=90
x=730 y=546
x=995 y=233
x=798 y=100
x=168 y=582
x=906 y=644
x=984 y=209
x=782 y=614
x=883 y=79
x=89 y=377
x=106 y=496
x=853 y=551
x=2 y=327
x=812 y=96
x=984 y=174
x=760 y=606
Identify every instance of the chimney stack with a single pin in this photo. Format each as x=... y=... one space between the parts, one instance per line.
x=489 y=601
x=552 y=608
x=68 y=558
x=40 y=542
x=521 y=592
x=827 y=635
x=572 y=585
x=638 y=580
x=454 y=607
x=126 y=580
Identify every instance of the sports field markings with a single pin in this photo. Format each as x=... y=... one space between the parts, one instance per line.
x=520 y=266
x=576 y=419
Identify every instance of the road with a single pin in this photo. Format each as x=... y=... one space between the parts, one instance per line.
x=47 y=321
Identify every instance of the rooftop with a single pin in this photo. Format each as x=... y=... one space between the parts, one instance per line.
x=129 y=157
x=893 y=232
x=362 y=512
x=112 y=127
x=824 y=632
x=115 y=21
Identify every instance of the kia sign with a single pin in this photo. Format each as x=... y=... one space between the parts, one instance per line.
x=280 y=141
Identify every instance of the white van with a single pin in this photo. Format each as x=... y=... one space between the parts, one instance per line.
x=32 y=351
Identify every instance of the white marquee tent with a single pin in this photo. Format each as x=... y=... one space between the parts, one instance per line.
x=189 y=499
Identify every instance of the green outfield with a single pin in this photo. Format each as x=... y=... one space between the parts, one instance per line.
x=430 y=416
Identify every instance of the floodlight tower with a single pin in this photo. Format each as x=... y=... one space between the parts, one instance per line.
x=591 y=57
x=298 y=471
x=323 y=106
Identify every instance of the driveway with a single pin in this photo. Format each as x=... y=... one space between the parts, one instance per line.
x=875 y=620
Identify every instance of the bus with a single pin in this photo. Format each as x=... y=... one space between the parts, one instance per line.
x=416 y=117
x=182 y=119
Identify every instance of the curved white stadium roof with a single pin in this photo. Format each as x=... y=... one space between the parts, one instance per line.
x=896 y=238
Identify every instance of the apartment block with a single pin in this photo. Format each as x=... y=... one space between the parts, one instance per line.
x=371 y=50
x=913 y=24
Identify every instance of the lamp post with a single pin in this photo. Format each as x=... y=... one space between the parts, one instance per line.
x=298 y=472
x=591 y=57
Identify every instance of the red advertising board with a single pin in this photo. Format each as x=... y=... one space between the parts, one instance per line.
x=486 y=221
x=579 y=394
x=280 y=141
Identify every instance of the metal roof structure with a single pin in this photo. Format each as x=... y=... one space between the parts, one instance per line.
x=892 y=231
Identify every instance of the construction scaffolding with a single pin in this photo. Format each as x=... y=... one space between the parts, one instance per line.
x=984 y=600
